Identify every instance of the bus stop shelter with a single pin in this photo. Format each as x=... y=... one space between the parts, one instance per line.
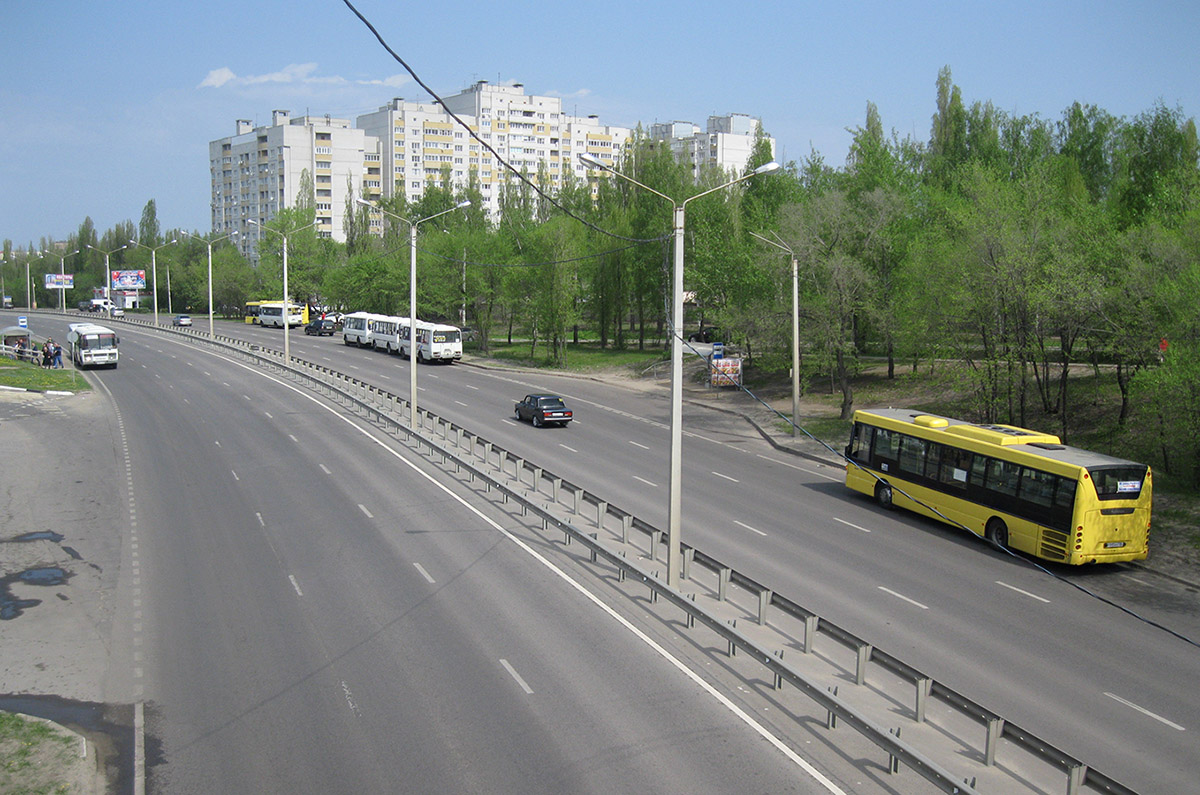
x=16 y=338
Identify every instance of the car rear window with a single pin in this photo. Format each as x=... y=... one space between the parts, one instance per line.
x=551 y=403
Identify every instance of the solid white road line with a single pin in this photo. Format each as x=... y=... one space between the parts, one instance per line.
x=902 y=596
x=735 y=480
x=748 y=527
x=424 y=573
x=513 y=673
x=1146 y=712
x=636 y=444
x=1023 y=593
x=363 y=508
x=295 y=585
x=851 y=524
x=648 y=483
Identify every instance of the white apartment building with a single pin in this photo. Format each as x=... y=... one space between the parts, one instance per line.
x=404 y=147
x=419 y=139
x=256 y=173
x=727 y=144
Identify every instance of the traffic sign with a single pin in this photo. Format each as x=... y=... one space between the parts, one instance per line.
x=22 y=321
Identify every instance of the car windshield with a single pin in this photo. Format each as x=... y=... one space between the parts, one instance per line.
x=551 y=403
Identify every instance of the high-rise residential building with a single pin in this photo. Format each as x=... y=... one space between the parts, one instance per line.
x=419 y=140
x=256 y=173
x=727 y=144
x=405 y=147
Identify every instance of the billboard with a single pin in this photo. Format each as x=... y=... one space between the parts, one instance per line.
x=60 y=281
x=129 y=280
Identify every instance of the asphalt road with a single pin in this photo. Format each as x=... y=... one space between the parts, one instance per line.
x=1094 y=680
x=304 y=611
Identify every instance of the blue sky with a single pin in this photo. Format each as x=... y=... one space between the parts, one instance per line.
x=104 y=106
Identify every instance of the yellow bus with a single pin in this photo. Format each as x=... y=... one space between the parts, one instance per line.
x=250 y=314
x=1018 y=488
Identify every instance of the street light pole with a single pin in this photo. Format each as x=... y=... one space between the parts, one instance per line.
x=108 y=273
x=287 y=325
x=795 y=327
x=675 y=477
x=209 y=243
x=62 y=273
x=412 y=296
x=154 y=273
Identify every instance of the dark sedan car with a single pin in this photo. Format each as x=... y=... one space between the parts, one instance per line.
x=543 y=410
x=320 y=328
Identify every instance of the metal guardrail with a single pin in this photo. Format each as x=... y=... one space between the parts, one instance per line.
x=479 y=457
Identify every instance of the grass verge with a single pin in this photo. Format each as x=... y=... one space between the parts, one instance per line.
x=24 y=375
x=33 y=755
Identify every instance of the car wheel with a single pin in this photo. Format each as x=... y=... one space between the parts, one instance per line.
x=537 y=421
x=883 y=496
x=997 y=532
x=517 y=415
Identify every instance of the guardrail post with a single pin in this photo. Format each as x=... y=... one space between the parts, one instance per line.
x=685 y=571
x=655 y=538
x=555 y=485
x=626 y=525
x=1076 y=775
x=923 y=686
x=487 y=452
x=893 y=760
x=578 y=499
x=537 y=480
x=860 y=670
x=830 y=717
x=723 y=582
x=601 y=510
x=995 y=728
x=764 y=602
x=810 y=632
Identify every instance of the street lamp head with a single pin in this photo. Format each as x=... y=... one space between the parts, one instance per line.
x=592 y=162
x=364 y=202
x=767 y=168
x=462 y=204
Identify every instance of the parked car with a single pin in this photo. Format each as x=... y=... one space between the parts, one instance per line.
x=706 y=334
x=543 y=410
x=181 y=320
x=84 y=306
x=321 y=327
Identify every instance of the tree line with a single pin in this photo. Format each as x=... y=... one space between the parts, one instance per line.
x=1023 y=248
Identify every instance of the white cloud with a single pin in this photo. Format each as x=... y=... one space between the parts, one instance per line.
x=580 y=94
x=303 y=74
x=217 y=78
x=395 y=81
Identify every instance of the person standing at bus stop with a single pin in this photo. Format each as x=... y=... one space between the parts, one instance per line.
x=56 y=358
x=47 y=353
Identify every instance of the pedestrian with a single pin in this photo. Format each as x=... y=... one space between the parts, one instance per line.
x=47 y=353
x=57 y=359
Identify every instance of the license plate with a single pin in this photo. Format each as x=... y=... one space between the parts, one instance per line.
x=1114 y=545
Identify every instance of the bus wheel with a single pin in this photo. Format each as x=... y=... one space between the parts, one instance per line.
x=883 y=495
x=997 y=532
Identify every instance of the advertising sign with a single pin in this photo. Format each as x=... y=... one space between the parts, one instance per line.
x=60 y=281
x=726 y=372
x=129 y=280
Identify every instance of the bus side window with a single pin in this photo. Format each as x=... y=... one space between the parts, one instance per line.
x=1037 y=487
x=860 y=443
x=1003 y=477
x=912 y=455
x=886 y=449
x=955 y=466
